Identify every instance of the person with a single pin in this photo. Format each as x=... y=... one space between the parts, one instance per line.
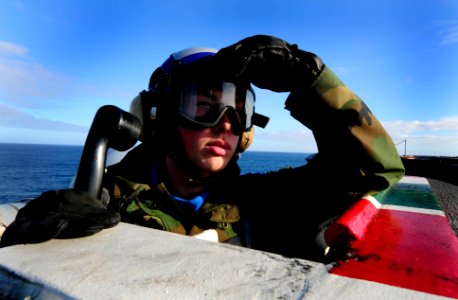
x=198 y=116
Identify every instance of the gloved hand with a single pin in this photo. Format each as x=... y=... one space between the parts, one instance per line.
x=270 y=63
x=58 y=214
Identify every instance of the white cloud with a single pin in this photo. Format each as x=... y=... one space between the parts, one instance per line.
x=434 y=137
x=22 y=80
x=431 y=137
x=10 y=117
x=7 y=49
x=339 y=70
x=26 y=83
x=448 y=30
x=410 y=127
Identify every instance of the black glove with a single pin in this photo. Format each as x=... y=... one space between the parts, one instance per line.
x=270 y=63
x=58 y=214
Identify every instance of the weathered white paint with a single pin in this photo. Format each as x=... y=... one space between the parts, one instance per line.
x=132 y=262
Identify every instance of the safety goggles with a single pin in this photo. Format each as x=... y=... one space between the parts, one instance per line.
x=203 y=105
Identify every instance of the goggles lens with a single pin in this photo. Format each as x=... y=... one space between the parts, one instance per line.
x=206 y=104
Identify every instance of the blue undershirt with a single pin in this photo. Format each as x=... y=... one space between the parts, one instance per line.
x=194 y=203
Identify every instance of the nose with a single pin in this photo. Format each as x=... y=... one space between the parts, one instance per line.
x=223 y=125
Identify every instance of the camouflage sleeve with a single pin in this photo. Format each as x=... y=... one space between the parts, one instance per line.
x=353 y=146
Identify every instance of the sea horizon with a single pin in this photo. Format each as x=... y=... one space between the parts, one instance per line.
x=79 y=145
x=27 y=170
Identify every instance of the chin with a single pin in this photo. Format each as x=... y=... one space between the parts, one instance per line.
x=215 y=164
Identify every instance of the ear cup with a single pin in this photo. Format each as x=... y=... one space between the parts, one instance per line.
x=144 y=107
x=246 y=139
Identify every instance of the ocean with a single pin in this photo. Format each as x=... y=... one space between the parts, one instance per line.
x=27 y=170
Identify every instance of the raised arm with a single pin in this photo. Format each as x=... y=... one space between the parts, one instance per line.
x=354 y=149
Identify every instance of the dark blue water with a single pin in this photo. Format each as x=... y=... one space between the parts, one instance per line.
x=257 y=161
x=28 y=170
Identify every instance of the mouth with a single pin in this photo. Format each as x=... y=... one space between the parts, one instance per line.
x=219 y=147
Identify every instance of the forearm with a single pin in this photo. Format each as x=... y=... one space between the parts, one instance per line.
x=356 y=154
x=349 y=137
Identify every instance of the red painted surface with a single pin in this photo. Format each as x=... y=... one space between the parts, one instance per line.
x=406 y=249
x=352 y=224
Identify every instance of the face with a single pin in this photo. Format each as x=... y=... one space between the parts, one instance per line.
x=210 y=149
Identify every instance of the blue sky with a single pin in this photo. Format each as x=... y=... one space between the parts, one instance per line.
x=61 y=60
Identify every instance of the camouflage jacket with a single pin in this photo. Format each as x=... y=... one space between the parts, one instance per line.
x=149 y=203
x=282 y=209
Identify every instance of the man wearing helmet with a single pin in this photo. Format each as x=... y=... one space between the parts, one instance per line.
x=198 y=114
